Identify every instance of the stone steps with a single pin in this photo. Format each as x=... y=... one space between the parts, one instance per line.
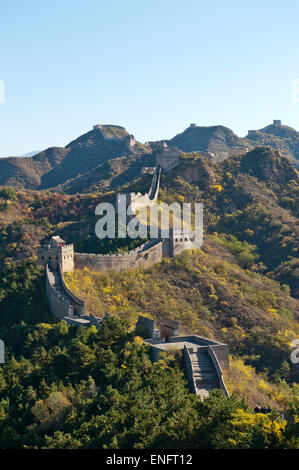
x=204 y=373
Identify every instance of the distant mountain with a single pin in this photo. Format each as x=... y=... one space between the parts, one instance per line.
x=105 y=157
x=108 y=175
x=218 y=142
x=56 y=165
x=283 y=138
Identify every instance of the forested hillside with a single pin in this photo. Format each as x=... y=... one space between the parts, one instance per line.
x=64 y=387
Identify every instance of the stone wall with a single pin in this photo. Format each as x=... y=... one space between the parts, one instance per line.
x=65 y=305
x=218 y=353
x=169 y=328
x=145 y=327
x=218 y=368
x=59 y=302
x=189 y=370
x=77 y=303
x=139 y=200
x=166 y=161
x=221 y=352
x=144 y=256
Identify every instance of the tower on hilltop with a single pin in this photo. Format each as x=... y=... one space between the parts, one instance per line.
x=55 y=252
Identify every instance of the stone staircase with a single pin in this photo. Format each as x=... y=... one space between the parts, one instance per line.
x=204 y=372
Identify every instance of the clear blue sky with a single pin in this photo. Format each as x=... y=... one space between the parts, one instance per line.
x=152 y=66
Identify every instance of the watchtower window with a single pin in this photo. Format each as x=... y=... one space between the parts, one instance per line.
x=49 y=257
x=56 y=257
x=43 y=257
x=186 y=239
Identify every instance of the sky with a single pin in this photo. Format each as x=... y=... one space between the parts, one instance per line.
x=152 y=66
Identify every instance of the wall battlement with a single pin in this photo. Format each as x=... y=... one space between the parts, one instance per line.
x=142 y=257
x=64 y=304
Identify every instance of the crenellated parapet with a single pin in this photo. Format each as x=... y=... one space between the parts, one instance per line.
x=142 y=257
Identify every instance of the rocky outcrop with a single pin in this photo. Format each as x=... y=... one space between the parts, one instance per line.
x=280 y=137
x=267 y=164
x=197 y=170
x=56 y=165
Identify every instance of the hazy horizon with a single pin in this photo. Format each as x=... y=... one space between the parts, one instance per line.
x=31 y=153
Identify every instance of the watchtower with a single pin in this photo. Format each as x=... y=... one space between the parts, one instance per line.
x=179 y=240
x=277 y=123
x=97 y=126
x=55 y=252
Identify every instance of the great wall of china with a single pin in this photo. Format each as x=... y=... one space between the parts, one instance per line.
x=203 y=358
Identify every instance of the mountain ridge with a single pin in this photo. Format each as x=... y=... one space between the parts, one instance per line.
x=85 y=160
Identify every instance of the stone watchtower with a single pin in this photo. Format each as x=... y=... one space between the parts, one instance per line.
x=178 y=241
x=55 y=252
